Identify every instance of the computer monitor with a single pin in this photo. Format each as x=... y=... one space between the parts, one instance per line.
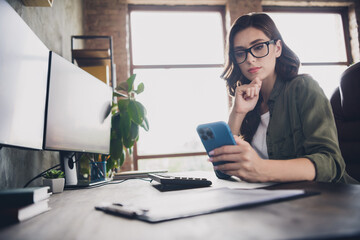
x=23 y=82
x=78 y=109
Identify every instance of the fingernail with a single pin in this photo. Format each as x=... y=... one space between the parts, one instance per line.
x=216 y=167
x=211 y=159
x=211 y=153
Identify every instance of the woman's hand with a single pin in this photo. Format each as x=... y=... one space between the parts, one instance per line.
x=246 y=96
x=245 y=162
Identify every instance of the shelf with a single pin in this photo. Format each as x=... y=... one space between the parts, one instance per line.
x=100 y=72
x=98 y=61
x=87 y=62
x=38 y=3
x=91 y=53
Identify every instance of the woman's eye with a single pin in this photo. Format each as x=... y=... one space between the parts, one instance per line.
x=240 y=54
x=258 y=47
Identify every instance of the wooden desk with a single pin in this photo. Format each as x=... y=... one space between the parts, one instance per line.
x=335 y=213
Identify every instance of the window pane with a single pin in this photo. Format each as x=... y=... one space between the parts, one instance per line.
x=177 y=100
x=314 y=37
x=160 y=37
x=328 y=77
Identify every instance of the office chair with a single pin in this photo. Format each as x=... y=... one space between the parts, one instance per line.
x=345 y=103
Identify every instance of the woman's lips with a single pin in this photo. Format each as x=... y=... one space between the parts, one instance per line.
x=254 y=69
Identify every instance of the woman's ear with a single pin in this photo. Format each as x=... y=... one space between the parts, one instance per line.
x=278 y=48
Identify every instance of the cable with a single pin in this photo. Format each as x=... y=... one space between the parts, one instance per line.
x=41 y=174
x=87 y=187
x=108 y=183
x=58 y=165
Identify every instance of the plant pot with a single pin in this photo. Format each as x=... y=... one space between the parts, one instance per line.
x=56 y=184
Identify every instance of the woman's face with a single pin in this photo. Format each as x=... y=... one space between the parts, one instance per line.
x=256 y=67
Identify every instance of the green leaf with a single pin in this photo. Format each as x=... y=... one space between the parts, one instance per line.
x=140 y=88
x=123 y=104
x=51 y=174
x=109 y=164
x=116 y=148
x=115 y=122
x=134 y=131
x=136 y=112
x=145 y=124
x=122 y=158
x=142 y=108
x=128 y=142
x=114 y=108
x=125 y=124
x=123 y=86
x=112 y=163
x=130 y=82
x=114 y=134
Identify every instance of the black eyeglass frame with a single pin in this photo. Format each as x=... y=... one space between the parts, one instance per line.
x=248 y=50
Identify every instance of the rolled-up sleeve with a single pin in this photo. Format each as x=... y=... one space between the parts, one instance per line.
x=320 y=141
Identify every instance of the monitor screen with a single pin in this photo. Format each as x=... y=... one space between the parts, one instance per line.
x=23 y=82
x=78 y=109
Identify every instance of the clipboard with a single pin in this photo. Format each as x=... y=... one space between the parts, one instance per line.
x=190 y=203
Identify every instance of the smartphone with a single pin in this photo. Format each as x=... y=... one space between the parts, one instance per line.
x=215 y=135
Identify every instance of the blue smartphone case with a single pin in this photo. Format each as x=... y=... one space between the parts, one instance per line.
x=214 y=135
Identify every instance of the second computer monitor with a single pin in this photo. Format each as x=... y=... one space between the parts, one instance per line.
x=78 y=117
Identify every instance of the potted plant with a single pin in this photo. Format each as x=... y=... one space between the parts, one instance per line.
x=55 y=180
x=127 y=116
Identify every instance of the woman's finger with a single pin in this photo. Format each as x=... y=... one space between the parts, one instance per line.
x=228 y=149
x=228 y=167
x=226 y=157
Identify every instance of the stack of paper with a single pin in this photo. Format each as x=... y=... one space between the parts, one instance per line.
x=189 y=203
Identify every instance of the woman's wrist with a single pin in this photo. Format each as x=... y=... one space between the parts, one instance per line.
x=239 y=113
x=235 y=122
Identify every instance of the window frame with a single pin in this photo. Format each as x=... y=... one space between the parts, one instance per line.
x=177 y=8
x=343 y=11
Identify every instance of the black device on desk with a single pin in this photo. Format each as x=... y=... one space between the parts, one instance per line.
x=173 y=182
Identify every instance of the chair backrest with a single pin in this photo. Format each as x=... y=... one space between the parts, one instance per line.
x=345 y=103
x=350 y=92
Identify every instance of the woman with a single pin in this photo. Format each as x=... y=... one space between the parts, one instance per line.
x=277 y=114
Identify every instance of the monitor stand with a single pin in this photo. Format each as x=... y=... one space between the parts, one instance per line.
x=68 y=162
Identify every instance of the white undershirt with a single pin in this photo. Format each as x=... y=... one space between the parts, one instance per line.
x=259 y=140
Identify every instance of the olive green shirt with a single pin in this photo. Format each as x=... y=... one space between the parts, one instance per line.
x=302 y=126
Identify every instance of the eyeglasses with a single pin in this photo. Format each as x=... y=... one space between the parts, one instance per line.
x=259 y=50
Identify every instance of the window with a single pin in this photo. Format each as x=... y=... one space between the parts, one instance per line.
x=178 y=53
x=319 y=40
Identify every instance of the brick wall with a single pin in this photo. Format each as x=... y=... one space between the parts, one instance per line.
x=109 y=17
x=236 y=8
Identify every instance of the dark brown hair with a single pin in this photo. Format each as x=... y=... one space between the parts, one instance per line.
x=287 y=65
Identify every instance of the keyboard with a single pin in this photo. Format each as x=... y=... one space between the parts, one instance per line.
x=180 y=181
